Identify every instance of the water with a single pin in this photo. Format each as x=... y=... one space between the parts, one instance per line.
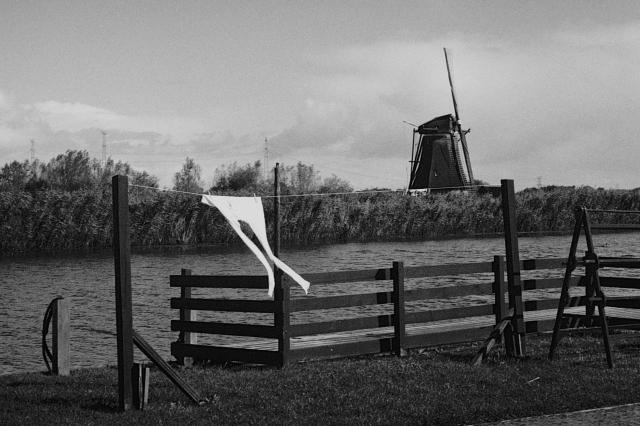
x=28 y=285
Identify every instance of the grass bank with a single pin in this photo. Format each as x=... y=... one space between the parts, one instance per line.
x=434 y=387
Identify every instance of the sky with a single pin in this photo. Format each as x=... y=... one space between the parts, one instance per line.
x=550 y=90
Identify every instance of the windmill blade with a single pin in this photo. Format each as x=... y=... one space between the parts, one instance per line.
x=463 y=139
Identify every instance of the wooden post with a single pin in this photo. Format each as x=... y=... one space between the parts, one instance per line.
x=513 y=265
x=398 y=308
x=60 y=337
x=282 y=291
x=122 y=260
x=140 y=376
x=188 y=337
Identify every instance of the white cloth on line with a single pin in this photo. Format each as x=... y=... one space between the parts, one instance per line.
x=250 y=211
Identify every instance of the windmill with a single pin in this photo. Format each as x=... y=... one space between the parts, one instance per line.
x=436 y=161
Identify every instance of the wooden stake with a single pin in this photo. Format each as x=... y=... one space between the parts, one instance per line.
x=513 y=265
x=122 y=260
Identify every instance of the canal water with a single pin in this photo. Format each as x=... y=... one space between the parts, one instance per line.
x=27 y=285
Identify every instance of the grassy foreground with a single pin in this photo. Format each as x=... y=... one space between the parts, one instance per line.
x=433 y=387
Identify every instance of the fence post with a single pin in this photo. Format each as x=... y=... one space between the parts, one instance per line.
x=501 y=308
x=513 y=265
x=398 y=308
x=282 y=291
x=188 y=337
x=122 y=260
x=60 y=337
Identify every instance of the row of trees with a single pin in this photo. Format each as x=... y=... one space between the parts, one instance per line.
x=71 y=171
x=250 y=178
x=76 y=170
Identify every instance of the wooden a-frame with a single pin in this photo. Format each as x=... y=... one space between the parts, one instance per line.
x=593 y=291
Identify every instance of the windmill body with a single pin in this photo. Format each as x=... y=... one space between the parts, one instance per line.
x=437 y=160
x=436 y=163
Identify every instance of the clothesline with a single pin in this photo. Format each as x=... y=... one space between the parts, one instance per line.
x=316 y=194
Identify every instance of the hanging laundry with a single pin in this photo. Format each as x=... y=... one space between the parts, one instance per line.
x=250 y=211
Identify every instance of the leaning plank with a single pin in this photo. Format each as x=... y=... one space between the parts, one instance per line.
x=493 y=338
x=225 y=354
x=448 y=269
x=150 y=353
x=227 y=305
x=225 y=328
x=219 y=281
x=343 y=301
x=448 y=291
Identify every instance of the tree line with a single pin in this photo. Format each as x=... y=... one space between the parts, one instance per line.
x=65 y=204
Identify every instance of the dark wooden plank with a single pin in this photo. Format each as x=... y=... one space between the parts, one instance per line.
x=450 y=313
x=448 y=291
x=447 y=269
x=124 y=310
x=220 y=281
x=398 y=308
x=225 y=328
x=343 y=301
x=341 y=325
x=616 y=226
x=624 y=302
x=548 y=283
x=225 y=354
x=226 y=305
x=539 y=326
x=448 y=337
x=619 y=262
x=344 y=277
x=620 y=282
x=536 y=264
x=342 y=350
x=543 y=304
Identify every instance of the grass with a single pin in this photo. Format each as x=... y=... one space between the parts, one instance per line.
x=433 y=387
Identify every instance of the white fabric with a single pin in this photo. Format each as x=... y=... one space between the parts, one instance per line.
x=249 y=210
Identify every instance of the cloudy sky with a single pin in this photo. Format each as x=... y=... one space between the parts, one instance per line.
x=550 y=90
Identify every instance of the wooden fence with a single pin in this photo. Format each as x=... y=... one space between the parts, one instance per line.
x=405 y=327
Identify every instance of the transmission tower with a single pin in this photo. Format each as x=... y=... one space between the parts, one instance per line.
x=104 y=147
x=32 y=151
x=266 y=159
